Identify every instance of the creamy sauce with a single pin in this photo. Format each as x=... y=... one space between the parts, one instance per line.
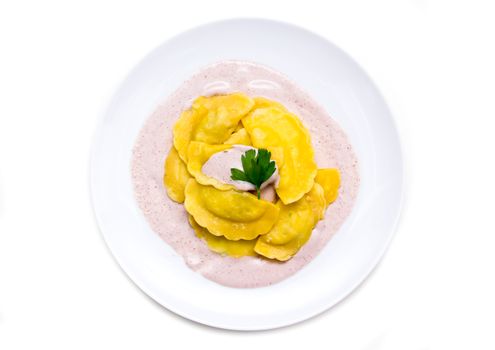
x=218 y=167
x=268 y=194
x=169 y=219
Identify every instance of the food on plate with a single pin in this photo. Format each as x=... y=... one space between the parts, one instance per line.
x=230 y=213
x=273 y=127
x=222 y=245
x=211 y=120
x=294 y=226
x=176 y=176
x=231 y=206
x=256 y=180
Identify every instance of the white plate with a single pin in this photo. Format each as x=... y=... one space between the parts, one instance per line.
x=336 y=82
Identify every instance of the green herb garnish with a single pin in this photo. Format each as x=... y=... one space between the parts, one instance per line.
x=257 y=168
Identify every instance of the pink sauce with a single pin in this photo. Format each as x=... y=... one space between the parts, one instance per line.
x=169 y=219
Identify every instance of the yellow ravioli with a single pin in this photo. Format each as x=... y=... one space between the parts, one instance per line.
x=294 y=226
x=211 y=120
x=233 y=214
x=329 y=179
x=240 y=137
x=198 y=154
x=273 y=127
x=236 y=223
x=222 y=245
x=183 y=131
x=176 y=176
x=238 y=127
x=261 y=102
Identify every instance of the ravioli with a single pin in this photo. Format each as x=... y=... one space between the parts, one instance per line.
x=176 y=176
x=222 y=245
x=211 y=120
x=237 y=223
x=233 y=214
x=240 y=137
x=329 y=179
x=273 y=127
x=197 y=154
x=238 y=127
x=261 y=102
x=294 y=226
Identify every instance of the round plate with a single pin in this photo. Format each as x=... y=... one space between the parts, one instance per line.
x=334 y=80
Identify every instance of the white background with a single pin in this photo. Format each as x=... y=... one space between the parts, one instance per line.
x=433 y=60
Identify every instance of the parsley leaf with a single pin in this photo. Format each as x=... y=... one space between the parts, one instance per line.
x=257 y=168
